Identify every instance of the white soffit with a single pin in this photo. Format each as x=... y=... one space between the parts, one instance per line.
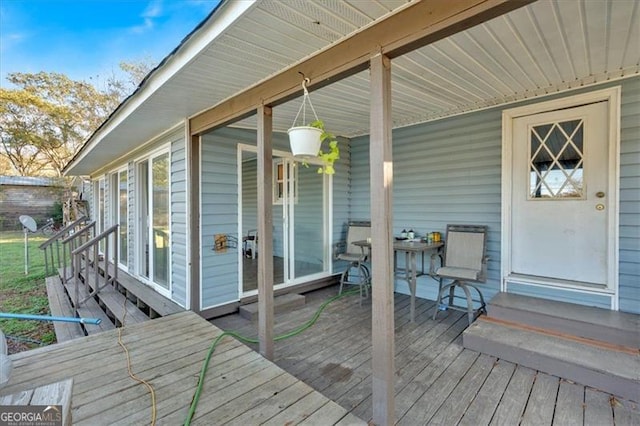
x=542 y=48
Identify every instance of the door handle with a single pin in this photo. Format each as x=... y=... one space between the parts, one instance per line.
x=599 y=207
x=600 y=194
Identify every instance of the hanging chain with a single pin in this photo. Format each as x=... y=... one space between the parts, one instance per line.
x=303 y=107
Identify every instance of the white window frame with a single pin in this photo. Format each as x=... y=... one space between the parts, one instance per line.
x=167 y=292
x=279 y=163
x=115 y=211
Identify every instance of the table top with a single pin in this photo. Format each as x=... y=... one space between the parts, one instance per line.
x=406 y=245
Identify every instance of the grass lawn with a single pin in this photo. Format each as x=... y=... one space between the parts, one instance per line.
x=24 y=294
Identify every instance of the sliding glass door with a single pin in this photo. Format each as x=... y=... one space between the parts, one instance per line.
x=153 y=215
x=301 y=240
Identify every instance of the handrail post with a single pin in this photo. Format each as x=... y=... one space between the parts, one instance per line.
x=46 y=262
x=90 y=250
x=116 y=259
x=76 y=261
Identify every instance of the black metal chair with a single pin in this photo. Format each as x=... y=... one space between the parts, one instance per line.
x=464 y=262
x=357 y=273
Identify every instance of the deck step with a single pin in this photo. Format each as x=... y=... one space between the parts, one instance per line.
x=613 y=370
x=584 y=321
x=283 y=303
x=60 y=306
x=116 y=304
x=89 y=309
x=156 y=304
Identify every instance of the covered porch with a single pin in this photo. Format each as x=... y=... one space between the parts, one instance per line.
x=437 y=380
x=418 y=91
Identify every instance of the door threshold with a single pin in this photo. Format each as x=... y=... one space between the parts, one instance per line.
x=557 y=283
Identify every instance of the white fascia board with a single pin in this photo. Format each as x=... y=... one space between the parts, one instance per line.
x=228 y=13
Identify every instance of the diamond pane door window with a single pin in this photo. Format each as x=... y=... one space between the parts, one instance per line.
x=556 y=161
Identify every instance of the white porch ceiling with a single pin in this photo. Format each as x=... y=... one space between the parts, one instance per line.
x=542 y=48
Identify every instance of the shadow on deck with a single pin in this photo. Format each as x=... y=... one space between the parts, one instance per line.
x=438 y=381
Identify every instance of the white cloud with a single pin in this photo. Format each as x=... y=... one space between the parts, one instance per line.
x=153 y=10
x=11 y=40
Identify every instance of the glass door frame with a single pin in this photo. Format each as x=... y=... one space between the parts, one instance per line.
x=116 y=212
x=288 y=205
x=145 y=195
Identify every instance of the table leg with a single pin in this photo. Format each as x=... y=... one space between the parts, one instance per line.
x=412 y=284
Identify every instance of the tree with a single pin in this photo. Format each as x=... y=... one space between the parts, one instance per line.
x=47 y=118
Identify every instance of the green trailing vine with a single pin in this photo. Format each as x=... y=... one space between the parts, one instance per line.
x=330 y=156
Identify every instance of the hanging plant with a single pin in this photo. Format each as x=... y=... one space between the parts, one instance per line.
x=306 y=140
x=332 y=154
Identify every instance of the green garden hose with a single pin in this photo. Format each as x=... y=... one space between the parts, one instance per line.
x=294 y=332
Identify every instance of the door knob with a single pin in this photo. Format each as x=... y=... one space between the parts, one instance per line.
x=599 y=206
x=600 y=194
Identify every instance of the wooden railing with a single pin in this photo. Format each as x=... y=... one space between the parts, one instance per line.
x=71 y=243
x=53 y=249
x=88 y=255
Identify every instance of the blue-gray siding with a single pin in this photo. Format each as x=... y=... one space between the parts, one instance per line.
x=219 y=214
x=449 y=171
x=444 y=172
x=630 y=197
x=219 y=207
x=178 y=220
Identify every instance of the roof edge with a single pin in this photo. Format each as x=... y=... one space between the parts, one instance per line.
x=220 y=18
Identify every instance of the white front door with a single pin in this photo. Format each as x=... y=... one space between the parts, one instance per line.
x=561 y=230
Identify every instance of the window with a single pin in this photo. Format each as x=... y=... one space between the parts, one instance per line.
x=280 y=179
x=153 y=215
x=120 y=212
x=556 y=160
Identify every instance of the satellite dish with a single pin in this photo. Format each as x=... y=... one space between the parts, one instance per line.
x=28 y=222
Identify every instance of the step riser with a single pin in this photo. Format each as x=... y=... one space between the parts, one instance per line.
x=620 y=386
x=566 y=326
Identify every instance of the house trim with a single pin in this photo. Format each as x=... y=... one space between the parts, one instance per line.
x=144 y=149
x=612 y=96
x=194 y=198
x=193 y=45
x=149 y=156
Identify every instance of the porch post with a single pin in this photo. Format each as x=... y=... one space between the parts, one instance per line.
x=265 y=231
x=193 y=215
x=381 y=178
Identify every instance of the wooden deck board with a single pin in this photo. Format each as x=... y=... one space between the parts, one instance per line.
x=106 y=348
x=514 y=399
x=272 y=406
x=454 y=407
x=569 y=406
x=430 y=401
x=168 y=352
x=300 y=410
x=481 y=410
x=597 y=408
x=433 y=371
x=415 y=360
x=60 y=306
x=626 y=412
x=541 y=404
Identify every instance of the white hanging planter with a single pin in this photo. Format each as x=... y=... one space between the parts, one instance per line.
x=305 y=141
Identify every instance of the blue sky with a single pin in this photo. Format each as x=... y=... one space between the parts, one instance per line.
x=89 y=38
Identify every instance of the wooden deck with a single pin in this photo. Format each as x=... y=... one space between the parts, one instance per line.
x=438 y=381
x=241 y=387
